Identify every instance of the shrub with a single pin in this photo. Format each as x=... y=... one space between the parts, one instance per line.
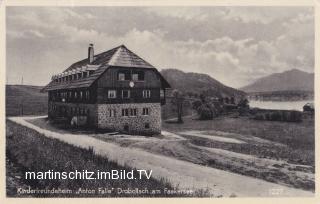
x=278 y=115
x=295 y=116
x=196 y=104
x=205 y=112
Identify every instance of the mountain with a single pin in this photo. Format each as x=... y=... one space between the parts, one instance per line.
x=198 y=83
x=292 y=80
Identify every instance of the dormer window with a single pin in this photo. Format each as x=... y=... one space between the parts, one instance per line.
x=124 y=75
x=137 y=75
x=121 y=76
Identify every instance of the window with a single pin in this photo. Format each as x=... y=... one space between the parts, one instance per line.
x=135 y=77
x=125 y=112
x=81 y=95
x=145 y=111
x=125 y=94
x=133 y=112
x=84 y=74
x=161 y=93
x=75 y=94
x=112 y=113
x=129 y=112
x=147 y=125
x=79 y=75
x=87 y=95
x=124 y=75
x=121 y=76
x=146 y=93
x=112 y=94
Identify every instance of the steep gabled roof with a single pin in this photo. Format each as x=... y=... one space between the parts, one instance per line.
x=119 y=56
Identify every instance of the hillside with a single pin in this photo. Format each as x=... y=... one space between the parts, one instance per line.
x=26 y=100
x=197 y=83
x=293 y=80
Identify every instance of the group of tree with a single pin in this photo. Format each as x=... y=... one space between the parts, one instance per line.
x=208 y=108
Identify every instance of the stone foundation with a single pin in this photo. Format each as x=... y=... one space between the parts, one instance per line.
x=73 y=109
x=98 y=116
x=139 y=124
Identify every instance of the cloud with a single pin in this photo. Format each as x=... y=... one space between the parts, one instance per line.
x=248 y=42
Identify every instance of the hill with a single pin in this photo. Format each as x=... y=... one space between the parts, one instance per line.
x=292 y=80
x=25 y=100
x=197 y=83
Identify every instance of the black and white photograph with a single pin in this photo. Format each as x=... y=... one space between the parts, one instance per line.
x=159 y=101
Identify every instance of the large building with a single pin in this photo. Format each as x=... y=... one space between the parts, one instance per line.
x=114 y=90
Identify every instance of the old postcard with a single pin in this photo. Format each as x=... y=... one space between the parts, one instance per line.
x=159 y=101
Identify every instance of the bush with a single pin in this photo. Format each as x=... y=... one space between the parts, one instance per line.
x=295 y=116
x=205 y=112
x=196 y=104
x=278 y=115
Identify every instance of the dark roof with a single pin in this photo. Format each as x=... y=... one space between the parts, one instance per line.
x=119 y=56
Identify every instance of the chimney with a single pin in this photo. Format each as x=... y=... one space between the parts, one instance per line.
x=90 y=53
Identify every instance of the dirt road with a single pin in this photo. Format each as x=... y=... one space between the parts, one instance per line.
x=184 y=174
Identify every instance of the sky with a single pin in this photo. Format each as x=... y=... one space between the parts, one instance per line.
x=235 y=45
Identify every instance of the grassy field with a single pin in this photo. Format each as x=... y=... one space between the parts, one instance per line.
x=28 y=150
x=299 y=137
x=25 y=100
x=292 y=143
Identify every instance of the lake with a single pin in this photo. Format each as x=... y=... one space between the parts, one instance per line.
x=279 y=105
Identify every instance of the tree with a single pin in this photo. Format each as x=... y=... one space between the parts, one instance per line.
x=243 y=106
x=205 y=112
x=243 y=103
x=177 y=101
x=232 y=101
x=196 y=104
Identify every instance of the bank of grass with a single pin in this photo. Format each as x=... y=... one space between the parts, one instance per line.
x=298 y=136
x=297 y=147
x=31 y=151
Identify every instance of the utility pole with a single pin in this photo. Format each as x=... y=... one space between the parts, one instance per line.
x=22 y=80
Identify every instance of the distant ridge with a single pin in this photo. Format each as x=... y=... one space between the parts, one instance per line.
x=291 y=80
x=197 y=83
